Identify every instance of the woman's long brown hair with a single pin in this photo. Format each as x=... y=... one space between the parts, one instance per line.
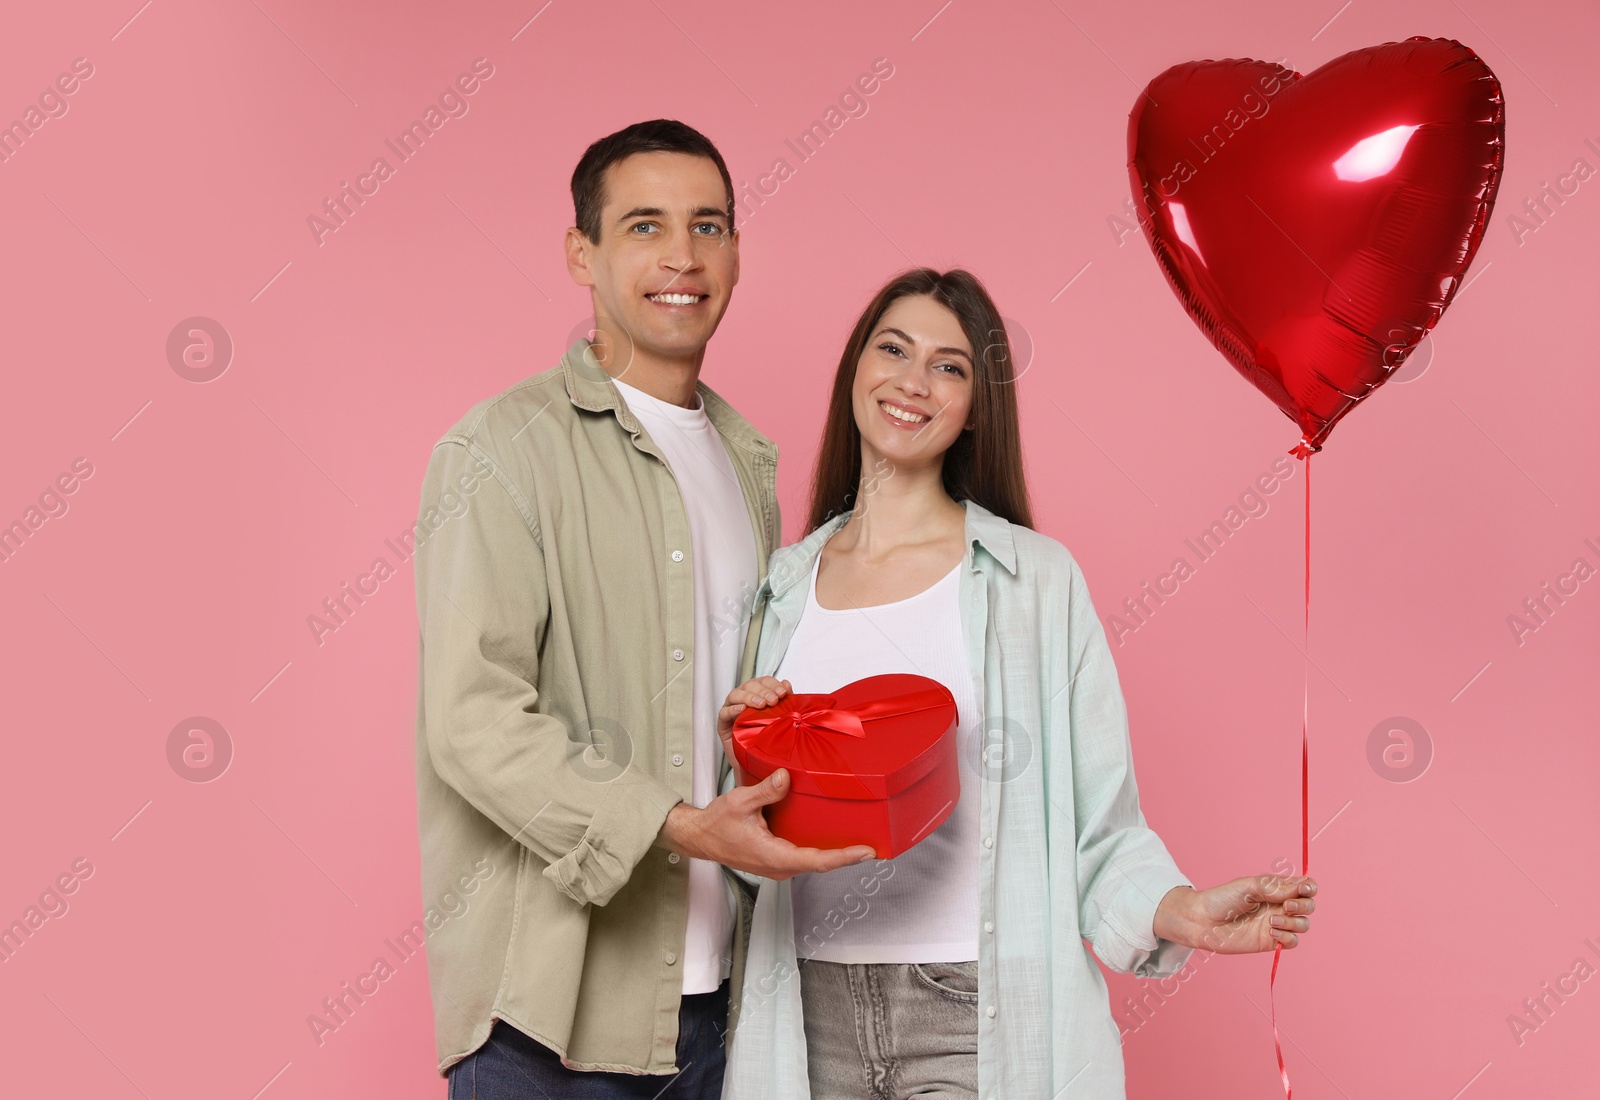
x=983 y=465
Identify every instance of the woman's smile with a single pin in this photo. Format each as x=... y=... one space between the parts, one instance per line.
x=902 y=415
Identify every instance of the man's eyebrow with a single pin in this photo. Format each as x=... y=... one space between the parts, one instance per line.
x=937 y=351
x=657 y=212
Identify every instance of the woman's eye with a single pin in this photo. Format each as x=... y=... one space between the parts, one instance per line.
x=894 y=348
x=956 y=367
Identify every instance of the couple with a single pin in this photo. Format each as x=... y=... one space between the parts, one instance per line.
x=605 y=593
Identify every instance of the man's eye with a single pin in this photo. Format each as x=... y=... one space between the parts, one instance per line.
x=713 y=226
x=644 y=225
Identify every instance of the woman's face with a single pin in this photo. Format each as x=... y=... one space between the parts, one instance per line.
x=913 y=387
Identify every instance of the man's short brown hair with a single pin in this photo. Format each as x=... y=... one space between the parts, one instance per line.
x=661 y=135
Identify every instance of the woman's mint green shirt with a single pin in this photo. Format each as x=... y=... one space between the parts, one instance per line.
x=1065 y=854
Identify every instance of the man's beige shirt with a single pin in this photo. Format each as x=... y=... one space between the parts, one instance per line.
x=554 y=727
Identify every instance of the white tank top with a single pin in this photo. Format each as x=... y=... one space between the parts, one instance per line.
x=924 y=905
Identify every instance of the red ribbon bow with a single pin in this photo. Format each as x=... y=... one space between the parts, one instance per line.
x=801 y=729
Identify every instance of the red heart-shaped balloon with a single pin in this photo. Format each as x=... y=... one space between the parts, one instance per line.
x=1316 y=227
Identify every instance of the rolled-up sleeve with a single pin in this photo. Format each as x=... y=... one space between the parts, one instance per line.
x=482 y=606
x=1123 y=868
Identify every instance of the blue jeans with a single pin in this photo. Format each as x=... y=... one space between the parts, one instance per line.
x=888 y=1031
x=511 y=1066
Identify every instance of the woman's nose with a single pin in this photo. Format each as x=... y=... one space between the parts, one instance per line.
x=914 y=380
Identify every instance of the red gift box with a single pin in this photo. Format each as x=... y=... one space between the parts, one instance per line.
x=873 y=763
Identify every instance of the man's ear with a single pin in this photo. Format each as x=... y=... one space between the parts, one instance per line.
x=733 y=242
x=577 y=248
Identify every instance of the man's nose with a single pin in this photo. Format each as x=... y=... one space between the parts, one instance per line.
x=679 y=253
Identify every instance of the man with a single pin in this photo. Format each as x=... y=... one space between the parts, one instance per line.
x=581 y=602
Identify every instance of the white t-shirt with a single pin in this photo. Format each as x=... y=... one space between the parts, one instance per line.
x=926 y=909
x=722 y=554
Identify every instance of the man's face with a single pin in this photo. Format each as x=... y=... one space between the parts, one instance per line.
x=665 y=265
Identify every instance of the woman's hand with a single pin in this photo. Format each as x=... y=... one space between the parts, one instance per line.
x=761 y=692
x=1255 y=913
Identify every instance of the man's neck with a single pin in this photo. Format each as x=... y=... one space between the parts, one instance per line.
x=669 y=380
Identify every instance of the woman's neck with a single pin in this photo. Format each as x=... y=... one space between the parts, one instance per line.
x=899 y=508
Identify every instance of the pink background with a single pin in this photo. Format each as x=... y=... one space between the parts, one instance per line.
x=219 y=516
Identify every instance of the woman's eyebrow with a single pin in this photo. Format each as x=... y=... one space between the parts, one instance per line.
x=937 y=351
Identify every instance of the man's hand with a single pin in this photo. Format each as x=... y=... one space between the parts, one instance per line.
x=763 y=691
x=732 y=829
x=1256 y=913
x=733 y=832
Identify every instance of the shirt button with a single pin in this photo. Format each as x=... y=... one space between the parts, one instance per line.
x=988 y=926
x=991 y=1010
x=677 y=759
x=677 y=555
x=988 y=842
x=677 y=654
x=672 y=957
x=673 y=857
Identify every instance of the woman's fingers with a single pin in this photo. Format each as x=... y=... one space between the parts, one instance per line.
x=1284 y=923
x=1293 y=916
x=760 y=692
x=768 y=688
x=725 y=718
x=743 y=697
x=1278 y=888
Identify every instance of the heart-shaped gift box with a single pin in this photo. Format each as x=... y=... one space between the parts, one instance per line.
x=871 y=763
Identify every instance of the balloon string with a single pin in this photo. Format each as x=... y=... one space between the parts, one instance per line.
x=1305 y=778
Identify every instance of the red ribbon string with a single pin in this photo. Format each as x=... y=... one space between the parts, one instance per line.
x=1305 y=778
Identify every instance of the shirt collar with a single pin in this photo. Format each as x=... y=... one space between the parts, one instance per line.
x=590 y=387
x=983 y=529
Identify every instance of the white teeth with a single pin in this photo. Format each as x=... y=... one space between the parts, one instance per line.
x=675 y=299
x=901 y=414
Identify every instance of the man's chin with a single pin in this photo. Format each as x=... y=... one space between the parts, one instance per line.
x=674 y=345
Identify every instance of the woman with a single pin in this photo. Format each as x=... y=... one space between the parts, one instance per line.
x=958 y=968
